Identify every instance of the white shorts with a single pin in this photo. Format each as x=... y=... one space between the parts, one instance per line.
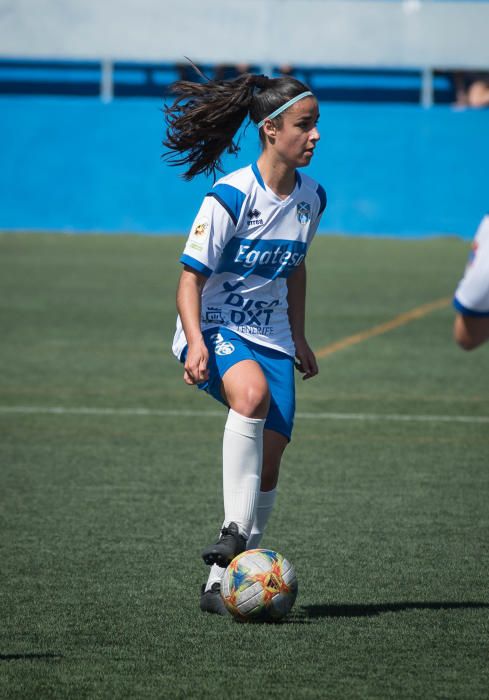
x=472 y=293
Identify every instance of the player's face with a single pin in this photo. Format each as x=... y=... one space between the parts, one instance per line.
x=296 y=138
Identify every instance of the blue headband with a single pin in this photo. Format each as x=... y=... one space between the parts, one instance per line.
x=283 y=107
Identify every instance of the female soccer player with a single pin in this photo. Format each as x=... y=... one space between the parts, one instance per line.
x=241 y=294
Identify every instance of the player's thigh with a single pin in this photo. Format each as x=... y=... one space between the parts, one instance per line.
x=245 y=389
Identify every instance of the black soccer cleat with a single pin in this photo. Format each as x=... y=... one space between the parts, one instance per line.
x=211 y=601
x=228 y=546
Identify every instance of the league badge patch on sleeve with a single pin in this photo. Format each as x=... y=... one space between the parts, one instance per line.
x=200 y=233
x=201 y=229
x=303 y=213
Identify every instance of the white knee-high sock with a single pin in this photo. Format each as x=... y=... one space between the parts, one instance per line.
x=242 y=452
x=266 y=501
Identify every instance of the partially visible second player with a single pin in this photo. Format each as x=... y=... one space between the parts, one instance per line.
x=471 y=301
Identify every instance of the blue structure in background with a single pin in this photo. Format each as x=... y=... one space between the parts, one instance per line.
x=76 y=164
x=146 y=79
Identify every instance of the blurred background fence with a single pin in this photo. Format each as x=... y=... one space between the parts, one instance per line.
x=403 y=152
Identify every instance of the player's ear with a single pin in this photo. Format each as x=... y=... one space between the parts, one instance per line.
x=269 y=128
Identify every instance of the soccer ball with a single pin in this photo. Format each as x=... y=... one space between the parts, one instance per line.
x=259 y=585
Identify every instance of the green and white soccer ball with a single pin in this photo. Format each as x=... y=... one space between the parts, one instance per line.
x=259 y=585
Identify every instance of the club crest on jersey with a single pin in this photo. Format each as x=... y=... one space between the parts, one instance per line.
x=303 y=213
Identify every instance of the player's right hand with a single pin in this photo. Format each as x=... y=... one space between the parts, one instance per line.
x=196 y=364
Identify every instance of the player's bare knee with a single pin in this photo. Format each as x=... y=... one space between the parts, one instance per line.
x=253 y=401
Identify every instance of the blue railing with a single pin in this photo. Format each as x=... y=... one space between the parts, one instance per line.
x=133 y=79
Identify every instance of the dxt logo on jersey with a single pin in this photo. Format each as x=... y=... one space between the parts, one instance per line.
x=252 y=312
x=253 y=218
x=222 y=347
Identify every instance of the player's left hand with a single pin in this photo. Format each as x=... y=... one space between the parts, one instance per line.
x=305 y=359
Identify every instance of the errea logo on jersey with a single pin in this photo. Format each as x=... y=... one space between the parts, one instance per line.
x=253 y=219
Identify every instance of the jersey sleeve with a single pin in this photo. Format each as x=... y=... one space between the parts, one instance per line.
x=472 y=294
x=212 y=229
x=323 y=200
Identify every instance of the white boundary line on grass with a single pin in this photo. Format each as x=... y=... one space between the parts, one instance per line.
x=320 y=415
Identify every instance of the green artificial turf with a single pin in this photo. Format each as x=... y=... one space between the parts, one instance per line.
x=103 y=515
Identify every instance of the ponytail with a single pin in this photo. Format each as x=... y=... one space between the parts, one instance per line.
x=205 y=117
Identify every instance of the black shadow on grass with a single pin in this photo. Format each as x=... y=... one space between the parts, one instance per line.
x=30 y=655
x=372 y=609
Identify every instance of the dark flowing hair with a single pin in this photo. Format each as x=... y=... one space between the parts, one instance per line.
x=204 y=118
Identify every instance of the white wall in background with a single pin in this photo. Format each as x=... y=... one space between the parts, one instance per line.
x=331 y=32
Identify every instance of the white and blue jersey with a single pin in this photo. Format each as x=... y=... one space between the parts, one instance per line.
x=247 y=241
x=472 y=293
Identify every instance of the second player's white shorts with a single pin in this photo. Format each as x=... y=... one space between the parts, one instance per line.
x=472 y=294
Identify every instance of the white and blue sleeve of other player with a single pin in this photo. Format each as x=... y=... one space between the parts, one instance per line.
x=247 y=241
x=472 y=293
